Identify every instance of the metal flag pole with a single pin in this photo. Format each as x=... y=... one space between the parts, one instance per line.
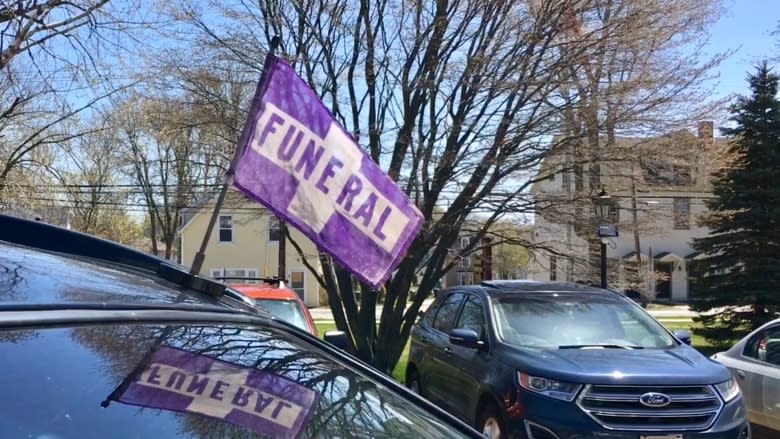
x=200 y=256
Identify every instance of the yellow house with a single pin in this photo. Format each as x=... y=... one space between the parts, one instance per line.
x=245 y=243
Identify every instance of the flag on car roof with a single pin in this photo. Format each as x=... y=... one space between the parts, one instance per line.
x=299 y=162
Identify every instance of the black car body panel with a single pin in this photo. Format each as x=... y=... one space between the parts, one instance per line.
x=85 y=336
x=35 y=277
x=62 y=379
x=94 y=252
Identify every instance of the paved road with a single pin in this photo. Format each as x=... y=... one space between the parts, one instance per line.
x=679 y=312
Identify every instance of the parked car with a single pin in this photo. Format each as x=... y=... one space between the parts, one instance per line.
x=533 y=360
x=101 y=341
x=278 y=300
x=755 y=362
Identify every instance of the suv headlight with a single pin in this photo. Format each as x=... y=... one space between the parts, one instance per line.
x=728 y=389
x=547 y=387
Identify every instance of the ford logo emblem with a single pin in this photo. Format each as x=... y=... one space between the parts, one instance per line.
x=653 y=399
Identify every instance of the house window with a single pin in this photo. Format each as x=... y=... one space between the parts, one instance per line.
x=225 y=228
x=578 y=178
x=274 y=230
x=235 y=275
x=465 y=261
x=614 y=214
x=298 y=282
x=553 y=267
x=465 y=278
x=464 y=241
x=566 y=181
x=682 y=213
x=659 y=172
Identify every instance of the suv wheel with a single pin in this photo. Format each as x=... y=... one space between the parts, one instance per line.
x=490 y=423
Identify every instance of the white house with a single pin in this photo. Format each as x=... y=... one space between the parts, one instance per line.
x=667 y=190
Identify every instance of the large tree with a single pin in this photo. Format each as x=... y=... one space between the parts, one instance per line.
x=58 y=59
x=456 y=100
x=88 y=183
x=166 y=156
x=740 y=286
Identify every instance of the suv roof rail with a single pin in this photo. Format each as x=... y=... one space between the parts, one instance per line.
x=40 y=235
x=541 y=286
x=500 y=283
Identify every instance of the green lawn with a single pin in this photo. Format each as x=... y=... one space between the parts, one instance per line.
x=662 y=306
x=672 y=324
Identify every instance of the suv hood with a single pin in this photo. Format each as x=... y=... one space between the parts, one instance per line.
x=680 y=365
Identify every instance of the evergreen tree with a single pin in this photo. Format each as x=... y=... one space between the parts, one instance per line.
x=740 y=284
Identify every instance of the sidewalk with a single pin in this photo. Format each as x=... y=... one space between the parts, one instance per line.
x=678 y=311
x=681 y=312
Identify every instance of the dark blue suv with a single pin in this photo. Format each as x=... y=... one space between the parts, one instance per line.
x=536 y=360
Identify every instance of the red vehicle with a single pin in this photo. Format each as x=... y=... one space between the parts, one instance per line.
x=277 y=299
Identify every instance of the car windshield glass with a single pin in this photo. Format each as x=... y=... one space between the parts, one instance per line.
x=193 y=381
x=288 y=310
x=561 y=320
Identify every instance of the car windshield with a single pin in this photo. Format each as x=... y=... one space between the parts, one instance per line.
x=193 y=381
x=287 y=310
x=561 y=320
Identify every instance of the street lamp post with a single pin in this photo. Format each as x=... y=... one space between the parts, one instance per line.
x=602 y=205
x=603 y=263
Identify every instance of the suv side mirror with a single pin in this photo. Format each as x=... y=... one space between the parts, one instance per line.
x=683 y=335
x=467 y=338
x=337 y=338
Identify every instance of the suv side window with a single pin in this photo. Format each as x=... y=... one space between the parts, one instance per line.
x=430 y=313
x=473 y=316
x=448 y=311
x=765 y=346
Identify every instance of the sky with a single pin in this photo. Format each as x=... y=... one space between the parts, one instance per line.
x=745 y=28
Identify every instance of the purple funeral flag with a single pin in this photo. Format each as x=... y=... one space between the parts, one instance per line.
x=300 y=163
x=184 y=382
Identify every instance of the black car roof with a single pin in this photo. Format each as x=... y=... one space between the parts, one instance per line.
x=46 y=269
x=45 y=264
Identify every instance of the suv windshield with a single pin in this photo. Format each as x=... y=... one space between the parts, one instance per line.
x=287 y=310
x=561 y=320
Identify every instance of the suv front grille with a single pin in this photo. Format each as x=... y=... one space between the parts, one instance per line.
x=619 y=407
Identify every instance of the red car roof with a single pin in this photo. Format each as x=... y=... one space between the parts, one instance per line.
x=271 y=292
x=263 y=291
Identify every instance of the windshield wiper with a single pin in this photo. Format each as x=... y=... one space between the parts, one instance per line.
x=604 y=346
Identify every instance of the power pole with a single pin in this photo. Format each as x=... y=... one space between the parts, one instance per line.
x=282 y=250
x=487 y=260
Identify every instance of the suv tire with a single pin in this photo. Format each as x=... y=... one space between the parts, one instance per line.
x=490 y=423
x=413 y=382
